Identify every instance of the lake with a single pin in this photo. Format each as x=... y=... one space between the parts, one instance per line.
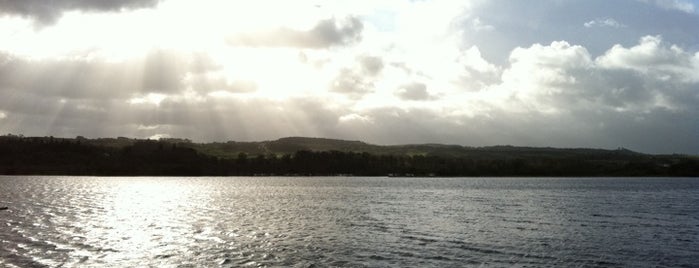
x=348 y=221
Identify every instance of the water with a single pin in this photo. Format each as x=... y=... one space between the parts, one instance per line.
x=333 y=221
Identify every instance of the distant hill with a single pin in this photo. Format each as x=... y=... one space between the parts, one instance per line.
x=281 y=146
x=289 y=145
x=321 y=156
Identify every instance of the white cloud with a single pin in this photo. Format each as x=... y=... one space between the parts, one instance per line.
x=563 y=83
x=472 y=59
x=680 y=5
x=654 y=58
x=475 y=73
x=608 y=22
x=539 y=72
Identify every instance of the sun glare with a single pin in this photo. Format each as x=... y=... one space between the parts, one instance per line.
x=186 y=27
x=142 y=214
x=178 y=24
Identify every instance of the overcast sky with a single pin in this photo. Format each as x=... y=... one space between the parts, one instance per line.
x=561 y=73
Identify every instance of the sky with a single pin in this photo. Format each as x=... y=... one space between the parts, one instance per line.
x=559 y=73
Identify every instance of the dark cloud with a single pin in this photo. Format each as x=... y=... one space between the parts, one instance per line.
x=653 y=131
x=165 y=71
x=220 y=119
x=371 y=65
x=93 y=98
x=414 y=91
x=326 y=33
x=65 y=78
x=358 y=80
x=47 y=12
x=352 y=84
x=224 y=119
x=160 y=71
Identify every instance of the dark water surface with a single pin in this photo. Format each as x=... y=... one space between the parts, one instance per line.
x=333 y=221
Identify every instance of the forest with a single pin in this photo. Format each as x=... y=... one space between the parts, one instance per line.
x=299 y=156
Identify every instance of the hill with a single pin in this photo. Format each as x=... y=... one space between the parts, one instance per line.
x=320 y=156
x=291 y=145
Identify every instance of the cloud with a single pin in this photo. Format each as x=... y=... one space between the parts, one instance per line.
x=563 y=77
x=159 y=71
x=622 y=96
x=654 y=58
x=608 y=22
x=668 y=70
x=65 y=78
x=359 y=79
x=221 y=84
x=371 y=65
x=326 y=33
x=479 y=26
x=162 y=72
x=539 y=72
x=679 y=5
x=521 y=24
x=477 y=73
x=47 y=12
x=414 y=91
x=351 y=83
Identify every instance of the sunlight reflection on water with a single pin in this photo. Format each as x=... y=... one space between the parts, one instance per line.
x=434 y=222
x=144 y=219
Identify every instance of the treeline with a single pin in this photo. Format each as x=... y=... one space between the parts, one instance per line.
x=54 y=156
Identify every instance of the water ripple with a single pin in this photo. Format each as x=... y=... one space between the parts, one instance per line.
x=348 y=222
